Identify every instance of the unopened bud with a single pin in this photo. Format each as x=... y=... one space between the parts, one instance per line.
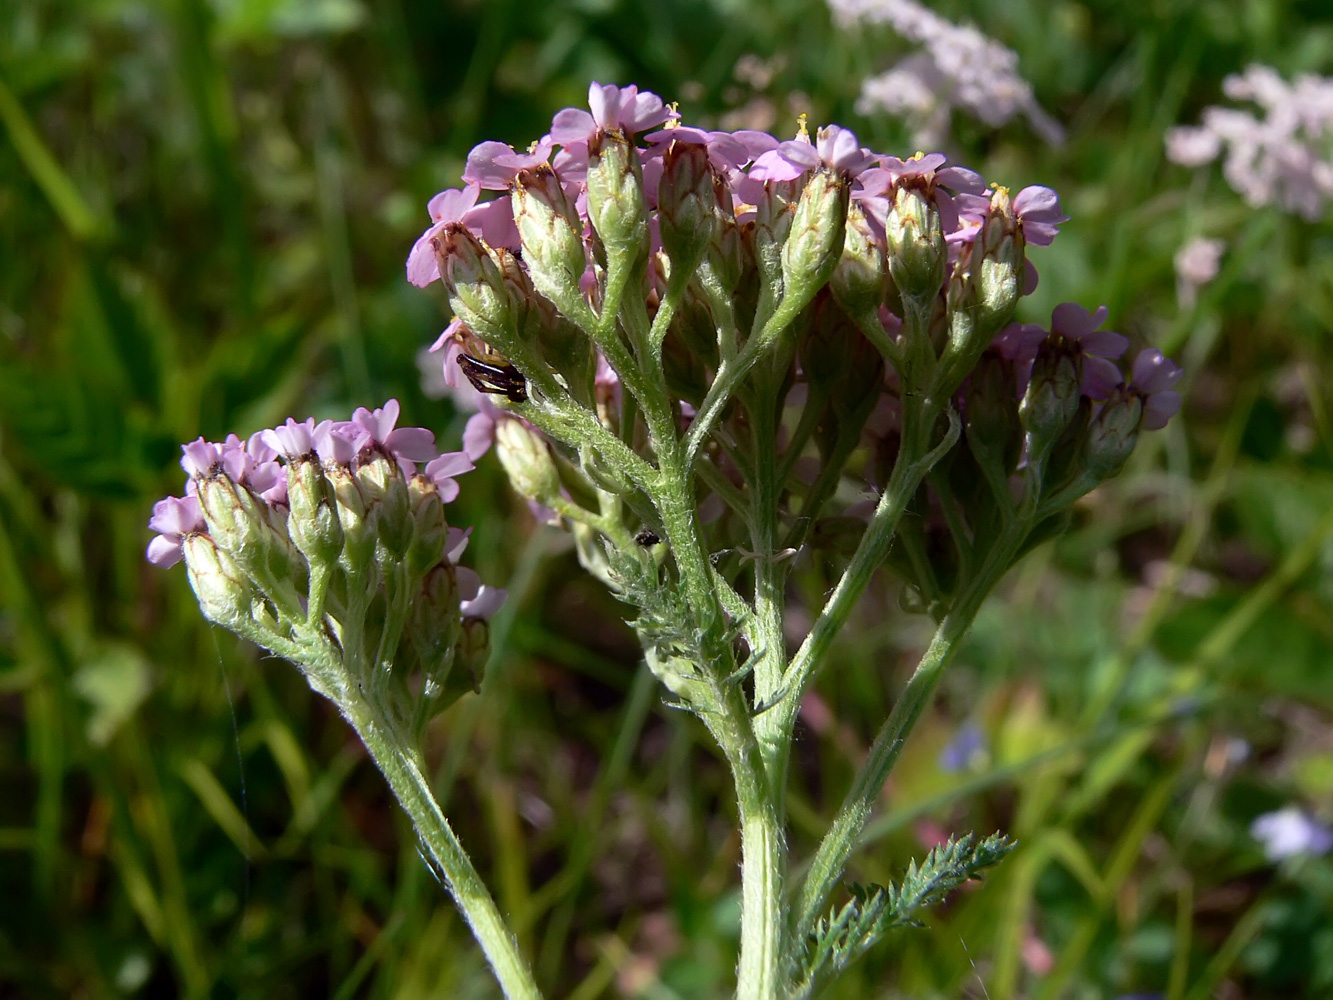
x=354 y=515
x=240 y=523
x=477 y=292
x=222 y=587
x=772 y=225
x=1112 y=436
x=474 y=649
x=526 y=458
x=617 y=208
x=551 y=233
x=435 y=631
x=430 y=531
x=858 y=279
x=687 y=204
x=312 y=522
x=918 y=254
x=382 y=485
x=1052 y=396
x=991 y=415
x=816 y=240
x=989 y=277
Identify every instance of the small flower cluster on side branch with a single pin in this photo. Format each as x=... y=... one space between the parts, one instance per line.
x=328 y=544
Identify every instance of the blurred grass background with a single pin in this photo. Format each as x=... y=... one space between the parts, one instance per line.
x=205 y=206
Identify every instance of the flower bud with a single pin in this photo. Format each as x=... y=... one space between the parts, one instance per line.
x=991 y=416
x=617 y=208
x=312 y=522
x=551 y=233
x=1052 y=396
x=430 y=531
x=382 y=485
x=772 y=225
x=435 y=631
x=473 y=650
x=815 y=243
x=1112 y=436
x=476 y=289
x=355 y=516
x=858 y=279
x=526 y=458
x=914 y=235
x=989 y=277
x=687 y=204
x=222 y=587
x=726 y=253
x=240 y=524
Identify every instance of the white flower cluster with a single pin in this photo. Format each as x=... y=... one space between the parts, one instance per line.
x=957 y=67
x=1283 y=158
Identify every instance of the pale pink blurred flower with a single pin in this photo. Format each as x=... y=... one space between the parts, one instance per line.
x=1196 y=264
x=1282 y=155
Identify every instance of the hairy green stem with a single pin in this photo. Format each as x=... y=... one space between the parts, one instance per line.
x=402 y=768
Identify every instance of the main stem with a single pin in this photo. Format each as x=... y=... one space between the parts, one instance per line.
x=402 y=768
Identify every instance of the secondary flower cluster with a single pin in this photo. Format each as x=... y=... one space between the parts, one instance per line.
x=1282 y=156
x=957 y=67
x=327 y=542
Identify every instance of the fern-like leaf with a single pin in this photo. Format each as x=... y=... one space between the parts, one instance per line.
x=850 y=930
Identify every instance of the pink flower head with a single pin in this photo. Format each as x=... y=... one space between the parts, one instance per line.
x=1039 y=215
x=1153 y=377
x=835 y=147
x=949 y=187
x=443 y=470
x=447 y=206
x=618 y=108
x=406 y=444
x=292 y=440
x=728 y=152
x=1100 y=348
x=929 y=169
x=173 y=518
x=337 y=442
x=493 y=166
x=201 y=459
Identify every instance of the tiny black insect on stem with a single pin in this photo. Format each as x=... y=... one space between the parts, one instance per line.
x=647 y=537
x=495 y=379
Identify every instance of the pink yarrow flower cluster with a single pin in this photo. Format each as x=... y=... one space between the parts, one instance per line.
x=259 y=465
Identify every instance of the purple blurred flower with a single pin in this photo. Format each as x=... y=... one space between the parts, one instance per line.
x=478 y=600
x=1152 y=378
x=173 y=518
x=1100 y=348
x=961 y=752
x=1291 y=832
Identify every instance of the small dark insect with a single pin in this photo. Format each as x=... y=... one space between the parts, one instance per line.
x=647 y=537
x=501 y=379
